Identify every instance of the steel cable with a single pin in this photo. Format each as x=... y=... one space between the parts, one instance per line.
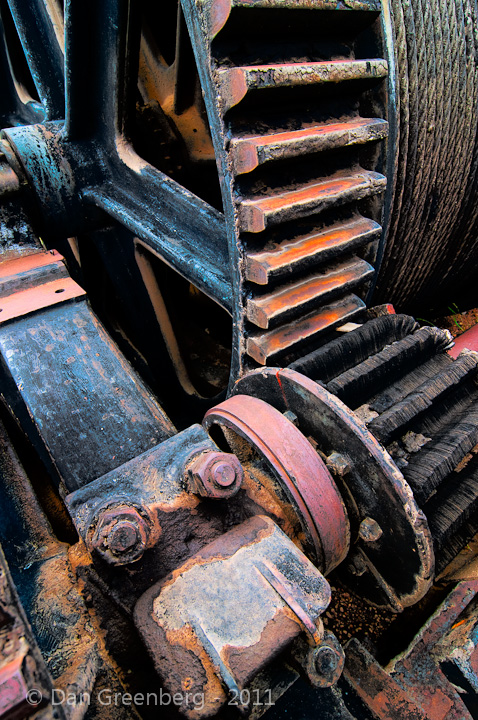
x=432 y=232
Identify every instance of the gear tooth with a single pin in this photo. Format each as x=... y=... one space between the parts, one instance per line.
x=290 y=155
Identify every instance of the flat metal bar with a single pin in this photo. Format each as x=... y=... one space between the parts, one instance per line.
x=184 y=231
x=43 y=54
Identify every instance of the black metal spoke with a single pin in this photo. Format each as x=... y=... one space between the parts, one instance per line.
x=43 y=53
x=98 y=36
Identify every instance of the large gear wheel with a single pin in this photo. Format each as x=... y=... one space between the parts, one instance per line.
x=230 y=184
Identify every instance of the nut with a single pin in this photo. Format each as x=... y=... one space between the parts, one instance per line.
x=338 y=464
x=121 y=534
x=323 y=663
x=215 y=474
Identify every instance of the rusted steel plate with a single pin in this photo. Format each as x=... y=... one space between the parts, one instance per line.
x=235 y=83
x=376 y=688
x=249 y=152
x=219 y=618
x=255 y=215
x=296 y=298
x=296 y=465
x=29 y=301
x=264 y=347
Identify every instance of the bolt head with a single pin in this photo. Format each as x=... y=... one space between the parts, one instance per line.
x=223 y=474
x=326 y=660
x=370 y=530
x=338 y=464
x=121 y=535
x=215 y=474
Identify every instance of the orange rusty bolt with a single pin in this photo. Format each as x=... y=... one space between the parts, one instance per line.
x=215 y=474
x=121 y=534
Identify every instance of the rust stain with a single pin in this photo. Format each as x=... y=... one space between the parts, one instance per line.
x=262 y=347
x=260 y=265
x=255 y=215
x=262 y=310
x=279 y=632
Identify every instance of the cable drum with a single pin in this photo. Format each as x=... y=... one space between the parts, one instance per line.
x=431 y=250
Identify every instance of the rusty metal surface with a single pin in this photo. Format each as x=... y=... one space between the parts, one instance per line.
x=268 y=310
x=374 y=488
x=269 y=149
x=255 y=215
x=431 y=678
x=250 y=151
x=296 y=163
x=63 y=351
x=209 y=632
x=236 y=83
x=297 y=466
x=303 y=251
x=267 y=347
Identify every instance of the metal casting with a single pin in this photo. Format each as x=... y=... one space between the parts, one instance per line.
x=191 y=194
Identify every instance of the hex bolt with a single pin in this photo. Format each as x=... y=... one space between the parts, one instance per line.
x=122 y=537
x=120 y=534
x=370 y=530
x=223 y=474
x=338 y=464
x=326 y=660
x=215 y=474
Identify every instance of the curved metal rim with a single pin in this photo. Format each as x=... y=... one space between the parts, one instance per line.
x=423 y=551
x=295 y=463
